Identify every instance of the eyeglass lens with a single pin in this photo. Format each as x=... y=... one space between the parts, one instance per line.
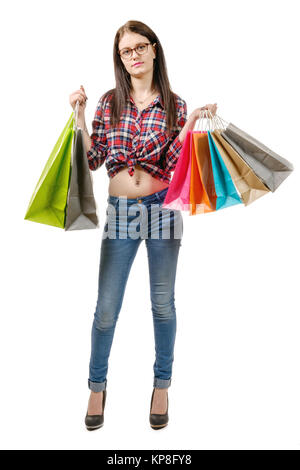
x=140 y=48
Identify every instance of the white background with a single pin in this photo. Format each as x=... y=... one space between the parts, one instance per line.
x=236 y=381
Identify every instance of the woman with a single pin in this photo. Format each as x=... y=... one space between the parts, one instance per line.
x=138 y=130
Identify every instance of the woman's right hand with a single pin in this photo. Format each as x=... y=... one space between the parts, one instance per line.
x=81 y=97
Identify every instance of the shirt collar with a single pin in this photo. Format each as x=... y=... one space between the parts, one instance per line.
x=156 y=100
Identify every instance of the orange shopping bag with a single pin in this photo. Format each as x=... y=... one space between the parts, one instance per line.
x=202 y=189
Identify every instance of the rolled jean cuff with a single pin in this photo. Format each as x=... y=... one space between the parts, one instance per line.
x=97 y=386
x=161 y=383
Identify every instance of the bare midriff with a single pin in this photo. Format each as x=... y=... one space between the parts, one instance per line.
x=140 y=184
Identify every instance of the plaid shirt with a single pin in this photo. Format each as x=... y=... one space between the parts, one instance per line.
x=140 y=138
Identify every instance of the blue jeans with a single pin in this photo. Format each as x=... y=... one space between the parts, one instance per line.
x=123 y=233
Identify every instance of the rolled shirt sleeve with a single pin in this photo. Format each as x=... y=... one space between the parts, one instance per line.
x=175 y=147
x=98 y=151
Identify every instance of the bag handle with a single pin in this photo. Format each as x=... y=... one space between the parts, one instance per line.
x=75 y=122
x=200 y=120
x=218 y=121
x=221 y=122
x=212 y=121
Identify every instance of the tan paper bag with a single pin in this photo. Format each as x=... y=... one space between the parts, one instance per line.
x=245 y=180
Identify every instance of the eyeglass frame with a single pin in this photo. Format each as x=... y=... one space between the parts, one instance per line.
x=134 y=49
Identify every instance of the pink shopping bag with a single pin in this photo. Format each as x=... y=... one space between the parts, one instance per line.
x=178 y=194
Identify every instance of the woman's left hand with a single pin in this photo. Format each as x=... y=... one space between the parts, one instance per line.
x=210 y=107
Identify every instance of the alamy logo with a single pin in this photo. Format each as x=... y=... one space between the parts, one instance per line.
x=140 y=221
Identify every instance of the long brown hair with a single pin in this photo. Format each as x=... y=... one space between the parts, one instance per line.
x=123 y=83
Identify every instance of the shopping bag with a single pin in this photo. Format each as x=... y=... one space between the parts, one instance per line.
x=227 y=194
x=200 y=202
x=203 y=159
x=48 y=201
x=63 y=196
x=178 y=194
x=81 y=210
x=270 y=167
x=250 y=187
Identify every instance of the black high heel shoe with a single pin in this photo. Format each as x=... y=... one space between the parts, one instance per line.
x=93 y=422
x=158 y=421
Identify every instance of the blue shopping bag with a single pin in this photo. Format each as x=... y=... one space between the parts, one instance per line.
x=227 y=194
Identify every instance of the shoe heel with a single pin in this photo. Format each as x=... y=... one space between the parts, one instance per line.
x=93 y=422
x=158 y=421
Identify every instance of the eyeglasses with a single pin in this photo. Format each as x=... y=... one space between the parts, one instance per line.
x=140 y=48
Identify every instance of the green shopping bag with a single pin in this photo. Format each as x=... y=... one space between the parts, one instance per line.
x=48 y=202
